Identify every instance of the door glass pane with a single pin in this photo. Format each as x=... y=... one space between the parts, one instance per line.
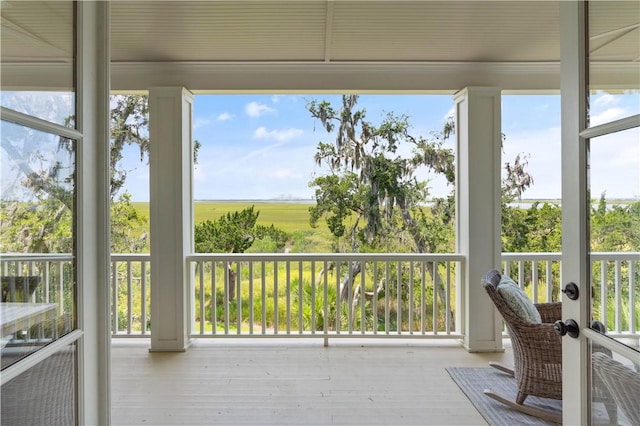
x=37 y=59
x=614 y=180
x=37 y=273
x=45 y=393
x=614 y=60
x=615 y=381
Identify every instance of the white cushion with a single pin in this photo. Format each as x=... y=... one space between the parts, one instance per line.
x=518 y=301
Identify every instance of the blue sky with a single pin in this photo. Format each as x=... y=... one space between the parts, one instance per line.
x=262 y=146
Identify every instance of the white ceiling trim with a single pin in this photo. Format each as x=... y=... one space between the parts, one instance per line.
x=307 y=77
x=442 y=77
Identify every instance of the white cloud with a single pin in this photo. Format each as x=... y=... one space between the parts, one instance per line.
x=544 y=147
x=225 y=116
x=605 y=108
x=199 y=174
x=450 y=113
x=283 y=174
x=604 y=100
x=269 y=172
x=281 y=135
x=201 y=122
x=615 y=164
x=542 y=108
x=275 y=99
x=607 y=115
x=256 y=109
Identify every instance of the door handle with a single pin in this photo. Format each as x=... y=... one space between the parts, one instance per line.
x=569 y=327
x=571 y=290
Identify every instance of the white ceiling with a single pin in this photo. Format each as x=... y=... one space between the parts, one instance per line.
x=327 y=45
x=334 y=31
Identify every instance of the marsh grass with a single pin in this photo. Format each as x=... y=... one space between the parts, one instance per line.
x=291 y=298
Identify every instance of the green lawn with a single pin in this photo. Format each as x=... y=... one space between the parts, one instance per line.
x=289 y=217
x=293 y=218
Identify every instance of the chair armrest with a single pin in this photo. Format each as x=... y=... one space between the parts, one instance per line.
x=550 y=312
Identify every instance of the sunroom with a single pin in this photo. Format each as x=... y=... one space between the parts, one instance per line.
x=79 y=53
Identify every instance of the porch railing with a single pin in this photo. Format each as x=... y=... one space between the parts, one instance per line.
x=615 y=281
x=130 y=295
x=55 y=278
x=40 y=278
x=326 y=295
x=262 y=295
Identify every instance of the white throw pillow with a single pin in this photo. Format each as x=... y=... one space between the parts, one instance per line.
x=518 y=301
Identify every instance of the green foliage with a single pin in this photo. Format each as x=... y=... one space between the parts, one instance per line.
x=126 y=222
x=371 y=200
x=235 y=232
x=35 y=227
x=616 y=227
x=536 y=229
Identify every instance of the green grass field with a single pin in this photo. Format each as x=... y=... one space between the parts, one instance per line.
x=292 y=218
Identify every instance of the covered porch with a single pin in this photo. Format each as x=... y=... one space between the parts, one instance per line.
x=162 y=364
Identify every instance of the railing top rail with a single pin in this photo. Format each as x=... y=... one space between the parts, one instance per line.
x=288 y=257
x=123 y=257
x=532 y=256
x=31 y=257
x=321 y=256
x=618 y=255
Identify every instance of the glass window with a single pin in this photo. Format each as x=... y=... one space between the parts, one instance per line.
x=37 y=205
x=615 y=382
x=614 y=66
x=614 y=182
x=37 y=62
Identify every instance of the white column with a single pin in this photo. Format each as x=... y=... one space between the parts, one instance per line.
x=94 y=347
x=478 y=210
x=170 y=160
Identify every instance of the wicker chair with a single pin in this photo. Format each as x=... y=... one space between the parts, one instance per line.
x=537 y=353
x=622 y=382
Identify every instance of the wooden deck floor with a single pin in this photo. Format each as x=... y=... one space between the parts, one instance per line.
x=293 y=382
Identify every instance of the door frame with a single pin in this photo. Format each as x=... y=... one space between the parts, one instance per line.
x=576 y=206
x=573 y=88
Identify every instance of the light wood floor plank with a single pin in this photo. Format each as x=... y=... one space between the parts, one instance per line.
x=293 y=382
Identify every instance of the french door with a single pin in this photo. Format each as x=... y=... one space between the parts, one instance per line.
x=600 y=82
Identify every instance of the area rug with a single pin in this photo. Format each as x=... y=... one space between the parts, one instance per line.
x=473 y=381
